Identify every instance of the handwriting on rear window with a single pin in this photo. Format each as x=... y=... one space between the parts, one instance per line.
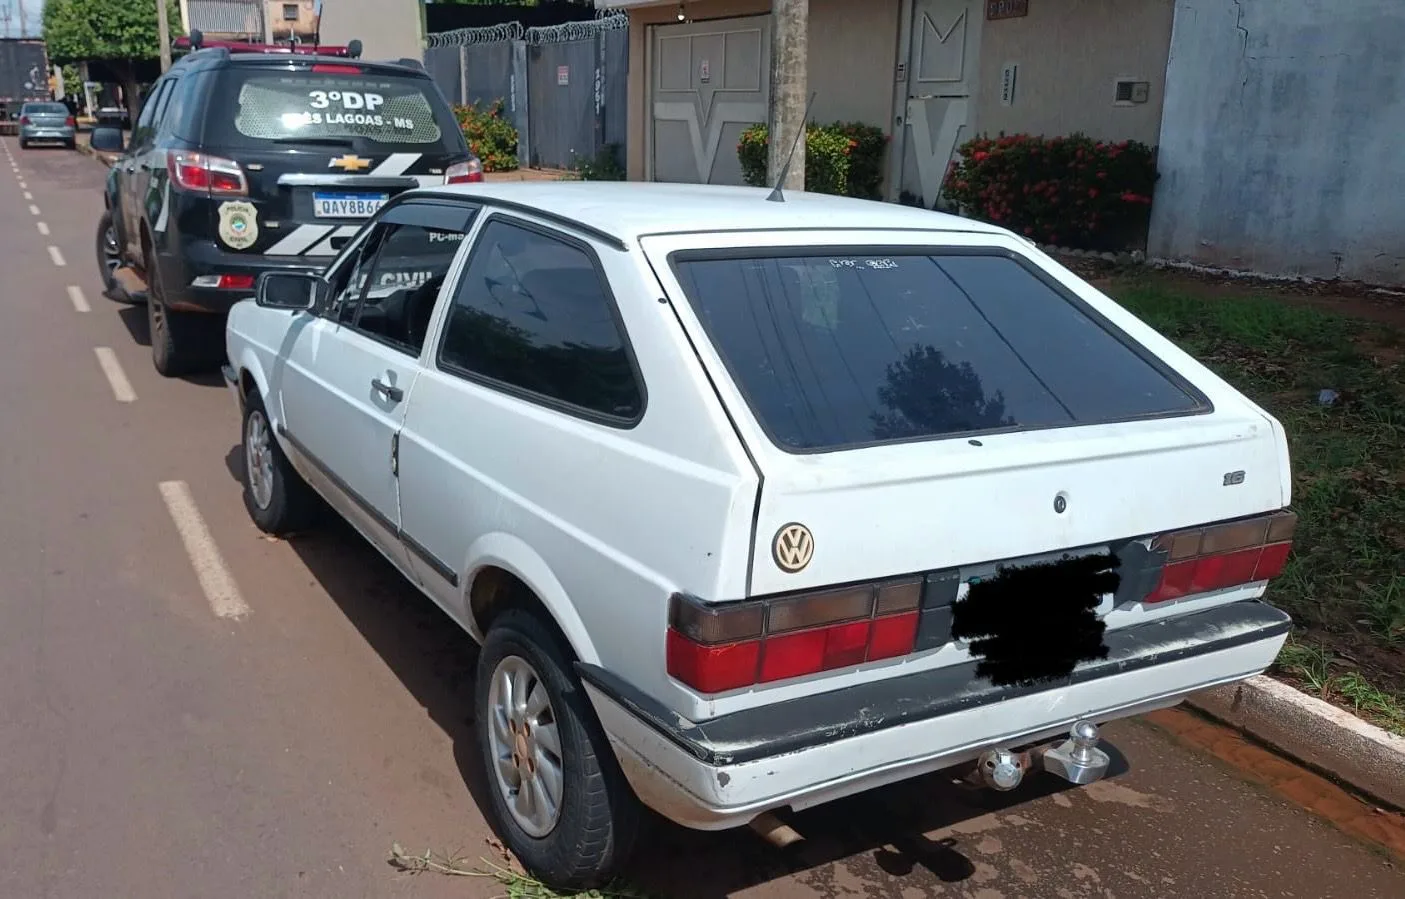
x=860 y=264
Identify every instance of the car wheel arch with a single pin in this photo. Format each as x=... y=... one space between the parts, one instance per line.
x=506 y=573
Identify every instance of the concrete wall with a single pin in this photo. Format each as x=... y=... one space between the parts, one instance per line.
x=388 y=29
x=1070 y=53
x=1281 y=148
x=853 y=47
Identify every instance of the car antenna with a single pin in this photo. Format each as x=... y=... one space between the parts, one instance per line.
x=776 y=195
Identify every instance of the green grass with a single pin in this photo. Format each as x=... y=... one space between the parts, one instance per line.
x=1345 y=583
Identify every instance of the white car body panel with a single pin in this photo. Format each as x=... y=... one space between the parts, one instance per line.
x=604 y=523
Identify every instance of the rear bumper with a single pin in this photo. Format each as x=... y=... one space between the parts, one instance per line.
x=57 y=133
x=197 y=258
x=724 y=772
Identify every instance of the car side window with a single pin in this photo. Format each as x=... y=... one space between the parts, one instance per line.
x=347 y=279
x=534 y=315
x=172 y=107
x=401 y=284
x=146 y=121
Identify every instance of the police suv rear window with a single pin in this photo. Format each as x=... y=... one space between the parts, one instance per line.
x=286 y=106
x=838 y=349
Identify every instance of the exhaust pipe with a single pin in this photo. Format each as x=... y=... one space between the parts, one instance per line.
x=774 y=831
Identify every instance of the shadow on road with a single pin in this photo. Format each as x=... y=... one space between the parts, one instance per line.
x=133 y=318
x=879 y=837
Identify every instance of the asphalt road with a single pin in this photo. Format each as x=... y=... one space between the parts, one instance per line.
x=153 y=746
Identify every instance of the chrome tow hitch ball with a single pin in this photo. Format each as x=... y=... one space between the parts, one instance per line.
x=1078 y=759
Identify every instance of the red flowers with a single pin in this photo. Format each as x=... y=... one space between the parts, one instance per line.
x=1071 y=189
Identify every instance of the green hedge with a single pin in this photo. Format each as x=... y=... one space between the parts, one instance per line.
x=491 y=137
x=844 y=158
x=1070 y=191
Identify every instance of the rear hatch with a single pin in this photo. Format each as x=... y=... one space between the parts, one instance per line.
x=948 y=408
x=325 y=146
x=46 y=116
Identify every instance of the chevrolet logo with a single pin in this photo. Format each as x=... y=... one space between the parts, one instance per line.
x=349 y=163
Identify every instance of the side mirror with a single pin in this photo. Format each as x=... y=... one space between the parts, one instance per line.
x=291 y=290
x=108 y=139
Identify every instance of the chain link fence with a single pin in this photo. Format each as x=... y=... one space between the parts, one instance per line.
x=565 y=86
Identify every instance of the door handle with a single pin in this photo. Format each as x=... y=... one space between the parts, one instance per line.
x=390 y=392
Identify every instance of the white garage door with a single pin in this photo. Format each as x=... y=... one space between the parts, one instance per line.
x=707 y=84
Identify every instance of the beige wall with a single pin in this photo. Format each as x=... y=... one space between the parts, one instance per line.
x=853 y=47
x=304 y=26
x=1070 y=53
x=387 y=29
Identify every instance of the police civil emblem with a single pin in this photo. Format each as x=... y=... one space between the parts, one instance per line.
x=239 y=224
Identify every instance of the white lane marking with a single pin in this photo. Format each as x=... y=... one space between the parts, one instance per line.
x=112 y=369
x=43 y=228
x=33 y=210
x=28 y=195
x=23 y=186
x=55 y=255
x=215 y=579
x=80 y=302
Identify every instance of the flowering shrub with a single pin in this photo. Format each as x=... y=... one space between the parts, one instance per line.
x=1071 y=191
x=844 y=158
x=491 y=137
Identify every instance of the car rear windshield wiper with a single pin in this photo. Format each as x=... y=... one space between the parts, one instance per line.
x=327 y=141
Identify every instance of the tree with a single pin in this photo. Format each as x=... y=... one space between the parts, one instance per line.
x=115 y=32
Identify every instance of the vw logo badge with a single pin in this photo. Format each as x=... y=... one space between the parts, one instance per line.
x=1060 y=504
x=793 y=548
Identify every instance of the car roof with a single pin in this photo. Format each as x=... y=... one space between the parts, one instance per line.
x=628 y=210
x=212 y=57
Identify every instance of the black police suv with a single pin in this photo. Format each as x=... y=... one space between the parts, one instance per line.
x=251 y=158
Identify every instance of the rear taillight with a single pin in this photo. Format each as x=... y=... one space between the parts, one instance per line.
x=201 y=173
x=725 y=647
x=469 y=172
x=71 y=122
x=24 y=120
x=1224 y=555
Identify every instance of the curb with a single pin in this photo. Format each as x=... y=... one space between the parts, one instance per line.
x=1313 y=732
x=87 y=150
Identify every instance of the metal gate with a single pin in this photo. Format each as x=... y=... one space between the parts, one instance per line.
x=564 y=86
x=577 y=80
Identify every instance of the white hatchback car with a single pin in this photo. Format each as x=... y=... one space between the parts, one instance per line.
x=754 y=505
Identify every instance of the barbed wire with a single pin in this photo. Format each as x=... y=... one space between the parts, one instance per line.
x=467 y=37
x=577 y=31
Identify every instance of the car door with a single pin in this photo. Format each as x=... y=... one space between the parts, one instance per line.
x=132 y=168
x=350 y=372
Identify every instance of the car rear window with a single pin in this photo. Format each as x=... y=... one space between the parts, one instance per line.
x=46 y=109
x=853 y=348
x=377 y=109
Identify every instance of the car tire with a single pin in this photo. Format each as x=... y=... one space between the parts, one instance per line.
x=182 y=343
x=24 y=144
x=278 y=499
x=598 y=814
x=109 y=283
x=72 y=145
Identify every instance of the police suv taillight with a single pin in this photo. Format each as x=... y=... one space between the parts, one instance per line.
x=205 y=174
x=469 y=172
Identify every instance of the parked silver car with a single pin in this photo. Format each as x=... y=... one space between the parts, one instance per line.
x=47 y=123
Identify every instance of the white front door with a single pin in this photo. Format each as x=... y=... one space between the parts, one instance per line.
x=941 y=90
